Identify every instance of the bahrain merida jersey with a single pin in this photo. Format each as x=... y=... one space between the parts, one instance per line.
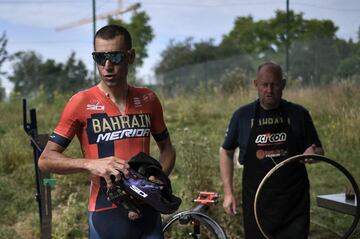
x=105 y=131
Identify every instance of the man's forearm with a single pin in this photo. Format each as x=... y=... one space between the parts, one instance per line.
x=167 y=160
x=167 y=156
x=226 y=170
x=56 y=162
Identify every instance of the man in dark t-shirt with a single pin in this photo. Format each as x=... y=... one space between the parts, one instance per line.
x=267 y=131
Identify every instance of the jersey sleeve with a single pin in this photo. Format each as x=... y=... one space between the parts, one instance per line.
x=68 y=124
x=158 y=127
x=232 y=133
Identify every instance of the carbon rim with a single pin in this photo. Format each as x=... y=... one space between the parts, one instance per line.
x=318 y=158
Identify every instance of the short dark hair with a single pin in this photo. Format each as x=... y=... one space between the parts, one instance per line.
x=274 y=66
x=111 y=31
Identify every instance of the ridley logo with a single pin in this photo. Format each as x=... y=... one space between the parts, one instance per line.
x=138 y=191
x=270 y=138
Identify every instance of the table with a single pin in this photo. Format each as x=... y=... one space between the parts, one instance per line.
x=337 y=202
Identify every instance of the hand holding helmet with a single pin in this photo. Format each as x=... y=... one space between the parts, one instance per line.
x=138 y=189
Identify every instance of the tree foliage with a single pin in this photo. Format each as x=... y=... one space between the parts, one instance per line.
x=31 y=74
x=349 y=66
x=141 y=33
x=179 y=54
x=316 y=54
x=76 y=75
x=188 y=66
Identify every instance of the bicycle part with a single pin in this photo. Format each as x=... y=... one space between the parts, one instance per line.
x=298 y=158
x=43 y=188
x=208 y=198
x=194 y=225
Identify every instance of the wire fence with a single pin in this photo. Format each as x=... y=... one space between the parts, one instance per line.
x=313 y=62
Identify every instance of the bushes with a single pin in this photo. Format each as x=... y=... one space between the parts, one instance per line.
x=235 y=80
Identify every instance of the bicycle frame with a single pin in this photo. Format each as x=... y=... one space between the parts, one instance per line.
x=197 y=216
x=205 y=200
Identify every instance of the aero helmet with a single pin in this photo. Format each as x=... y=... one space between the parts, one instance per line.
x=136 y=190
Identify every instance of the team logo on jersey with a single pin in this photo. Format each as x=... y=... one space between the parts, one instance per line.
x=104 y=128
x=148 y=97
x=96 y=106
x=137 y=102
x=122 y=134
x=261 y=154
x=269 y=138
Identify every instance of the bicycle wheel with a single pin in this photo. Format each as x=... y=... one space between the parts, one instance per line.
x=297 y=158
x=190 y=224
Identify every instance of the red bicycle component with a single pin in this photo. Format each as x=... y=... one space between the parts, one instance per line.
x=195 y=223
x=207 y=198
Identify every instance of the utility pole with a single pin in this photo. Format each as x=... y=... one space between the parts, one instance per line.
x=94 y=31
x=287 y=38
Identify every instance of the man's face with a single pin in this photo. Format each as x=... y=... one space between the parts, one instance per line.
x=269 y=86
x=113 y=74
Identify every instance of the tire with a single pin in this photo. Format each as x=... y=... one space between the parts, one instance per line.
x=298 y=158
x=184 y=224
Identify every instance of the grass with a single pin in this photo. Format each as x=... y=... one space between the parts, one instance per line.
x=197 y=125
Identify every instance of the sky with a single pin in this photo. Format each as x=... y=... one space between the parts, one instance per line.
x=31 y=24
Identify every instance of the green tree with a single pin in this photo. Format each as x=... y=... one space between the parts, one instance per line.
x=26 y=75
x=141 y=32
x=313 y=46
x=51 y=76
x=249 y=36
x=182 y=67
x=349 y=54
x=180 y=54
x=76 y=75
x=244 y=37
x=313 y=54
x=31 y=74
x=349 y=64
x=174 y=56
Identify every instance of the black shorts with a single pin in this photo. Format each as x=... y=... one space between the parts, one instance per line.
x=114 y=224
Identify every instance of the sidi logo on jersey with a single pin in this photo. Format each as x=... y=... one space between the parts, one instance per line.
x=96 y=106
x=271 y=138
x=102 y=128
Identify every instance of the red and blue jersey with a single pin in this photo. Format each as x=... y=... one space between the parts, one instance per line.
x=105 y=131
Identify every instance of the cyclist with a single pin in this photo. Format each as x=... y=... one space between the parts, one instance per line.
x=113 y=122
x=268 y=131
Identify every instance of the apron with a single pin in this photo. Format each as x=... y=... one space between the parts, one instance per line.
x=284 y=203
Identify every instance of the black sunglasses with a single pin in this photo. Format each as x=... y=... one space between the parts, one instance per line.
x=115 y=57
